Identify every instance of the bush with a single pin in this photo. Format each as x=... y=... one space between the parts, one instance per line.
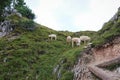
x=26 y=12
x=14 y=18
x=21 y=22
x=27 y=24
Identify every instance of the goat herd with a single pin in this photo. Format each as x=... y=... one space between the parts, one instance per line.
x=75 y=40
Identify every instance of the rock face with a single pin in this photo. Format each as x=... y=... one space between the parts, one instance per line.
x=6 y=26
x=81 y=71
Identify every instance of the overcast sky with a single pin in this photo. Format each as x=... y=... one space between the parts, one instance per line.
x=73 y=15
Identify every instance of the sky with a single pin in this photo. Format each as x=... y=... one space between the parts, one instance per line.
x=73 y=15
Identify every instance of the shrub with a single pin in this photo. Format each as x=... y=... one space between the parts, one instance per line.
x=26 y=12
x=27 y=24
x=21 y=22
x=14 y=18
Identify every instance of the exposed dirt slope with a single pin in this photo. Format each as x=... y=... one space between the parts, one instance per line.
x=107 y=51
x=95 y=56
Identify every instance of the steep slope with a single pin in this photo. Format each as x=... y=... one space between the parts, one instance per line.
x=106 y=47
x=109 y=31
x=31 y=56
x=108 y=38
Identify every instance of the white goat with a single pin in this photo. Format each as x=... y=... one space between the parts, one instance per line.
x=68 y=39
x=85 y=39
x=76 y=40
x=52 y=36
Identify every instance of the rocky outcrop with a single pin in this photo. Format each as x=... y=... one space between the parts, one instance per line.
x=81 y=71
x=6 y=26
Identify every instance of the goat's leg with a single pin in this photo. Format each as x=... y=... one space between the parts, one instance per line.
x=72 y=43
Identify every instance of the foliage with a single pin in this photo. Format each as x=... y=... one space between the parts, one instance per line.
x=14 y=18
x=26 y=12
x=106 y=26
x=27 y=24
x=109 y=31
x=20 y=5
x=4 y=4
x=21 y=22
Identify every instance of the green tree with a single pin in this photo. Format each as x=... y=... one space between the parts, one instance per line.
x=26 y=12
x=20 y=5
x=3 y=4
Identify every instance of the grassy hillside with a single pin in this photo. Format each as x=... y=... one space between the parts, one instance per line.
x=32 y=56
x=110 y=30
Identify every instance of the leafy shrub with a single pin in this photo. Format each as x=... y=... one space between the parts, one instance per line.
x=27 y=24
x=107 y=26
x=26 y=12
x=18 y=22
x=14 y=18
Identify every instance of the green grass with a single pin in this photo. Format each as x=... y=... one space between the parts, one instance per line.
x=109 y=31
x=66 y=62
x=33 y=55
